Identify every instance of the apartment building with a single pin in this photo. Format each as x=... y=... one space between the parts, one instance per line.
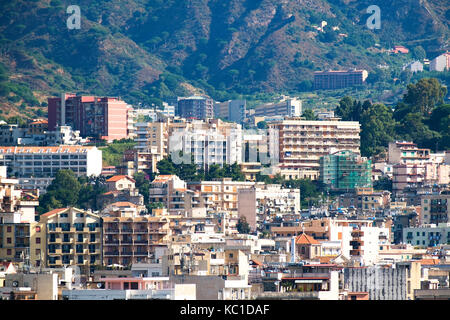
x=339 y=79
x=299 y=144
x=17 y=213
x=435 y=208
x=365 y=199
x=289 y=107
x=208 y=142
x=195 y=107
x=360 y=239
x=33 y=165
x=345 y=170
x=106 y=118
x=171 y=191
x=221 y=195
x=67 y=236
x=427 y=235
x=153 y=135
x=260 y=203
x=441 y=62
x=130 y=240
x=232 y=110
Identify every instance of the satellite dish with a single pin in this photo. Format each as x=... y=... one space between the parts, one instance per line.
x=99 y=285
x=15 y=283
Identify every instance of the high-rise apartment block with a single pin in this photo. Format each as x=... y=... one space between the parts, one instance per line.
x=232 y=110
x=299 y=143
x=195 y=107
x=107 y=118
x=68 y=236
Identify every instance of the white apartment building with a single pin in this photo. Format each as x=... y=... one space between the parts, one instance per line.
x=209 y=142
x=440 y=63
x=31 y=163
x=299 y=144
x=291 y=107
x=360 y=241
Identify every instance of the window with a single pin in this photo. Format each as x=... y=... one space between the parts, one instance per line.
x=134 y=285
x=8 y=252
x=38 y=229
x=8 y=229
x=38 y=240
x=8 y=240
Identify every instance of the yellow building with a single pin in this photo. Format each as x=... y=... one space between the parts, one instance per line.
x=67 y=236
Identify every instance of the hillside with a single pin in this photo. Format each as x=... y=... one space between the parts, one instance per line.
x=145 y=51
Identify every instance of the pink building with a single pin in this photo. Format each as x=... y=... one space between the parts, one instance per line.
x=105 y=118
x=138 y=283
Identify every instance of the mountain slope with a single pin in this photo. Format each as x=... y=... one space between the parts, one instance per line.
x=145 y=50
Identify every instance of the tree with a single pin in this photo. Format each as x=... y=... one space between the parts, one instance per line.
x=62 y=192
x=377 y=129
x=413 y=128
x=261 y=125
x=419 y=53
x=166 y=166
x=308 y=114
x=424 y=95
x=187 y=171
x=345 y=108
x=243 y=226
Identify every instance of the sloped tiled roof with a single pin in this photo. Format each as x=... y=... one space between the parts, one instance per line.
x=305 y=239
x=54 y=211
x=119 y=177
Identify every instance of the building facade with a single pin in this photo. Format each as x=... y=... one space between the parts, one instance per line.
x=339 y=79
x=105 y=118
x=298 y=144
x=195 y=107
x=345 y=170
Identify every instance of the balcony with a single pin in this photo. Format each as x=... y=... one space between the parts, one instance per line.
x=126 y=253
x=111 y=231
x=140 y=253
x=356 y=252
x=140 y=241
x=21 y=234
x=111 y=243
x=111 y=253
x=128 y=241
x=140 y=230
x=126 y=230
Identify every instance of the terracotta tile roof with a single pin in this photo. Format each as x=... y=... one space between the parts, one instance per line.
x=45 y=149
x=54 y=211
x=429 y=261
x=119 y=177
x=123 y=204
x=257 y=262
x=305 y=239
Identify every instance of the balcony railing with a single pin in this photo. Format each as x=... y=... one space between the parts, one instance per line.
x=111 y=253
